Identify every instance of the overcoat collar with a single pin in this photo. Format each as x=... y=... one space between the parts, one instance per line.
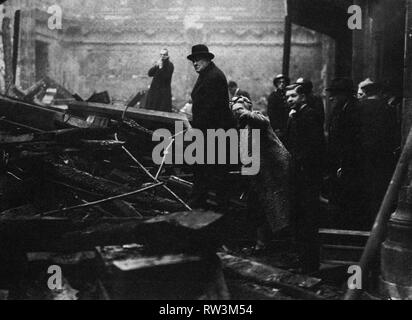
x=202 y=75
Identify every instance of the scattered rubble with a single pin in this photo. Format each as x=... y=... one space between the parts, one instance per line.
x=78 y=187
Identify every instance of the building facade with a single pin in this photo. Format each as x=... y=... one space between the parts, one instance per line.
x=110 y=45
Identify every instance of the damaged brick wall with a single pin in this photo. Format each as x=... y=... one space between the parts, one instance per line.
x=110 y=45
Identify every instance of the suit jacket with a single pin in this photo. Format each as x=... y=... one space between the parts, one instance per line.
x=344 y=145
x=317 y=104
x=211 y=101
x=159 y=96
x=306 y=143
x=377 y=129
x=278 y=112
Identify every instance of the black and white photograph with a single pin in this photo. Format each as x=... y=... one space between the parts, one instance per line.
x=205 y=154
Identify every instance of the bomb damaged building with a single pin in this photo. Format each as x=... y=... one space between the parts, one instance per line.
x=85 y=212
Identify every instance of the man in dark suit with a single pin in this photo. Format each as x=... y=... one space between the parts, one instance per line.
x=305 y=142
x=314 y=100
x=159 y=96
x=277 y=108
x=377 y=138
x=344 y=154
x=210 y=111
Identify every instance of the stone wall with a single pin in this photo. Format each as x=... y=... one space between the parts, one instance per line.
x=110 y=45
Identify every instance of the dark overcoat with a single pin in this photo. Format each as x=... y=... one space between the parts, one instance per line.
x=211 y=110
x=344 y=152
x=377 y=136
x=306 y=143
x=159 y=96
x=210 y=98
x=278 y=112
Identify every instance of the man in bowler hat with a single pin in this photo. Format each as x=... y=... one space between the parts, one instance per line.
x=210 y=111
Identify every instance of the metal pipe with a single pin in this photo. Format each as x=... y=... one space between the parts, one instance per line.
x=287 y=45
x=21 y=125
x=166 y=152
x=141 y=166
x=89 y=204
x=379 y=228
x=16 y=41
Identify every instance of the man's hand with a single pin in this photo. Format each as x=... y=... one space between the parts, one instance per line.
x=158 y=63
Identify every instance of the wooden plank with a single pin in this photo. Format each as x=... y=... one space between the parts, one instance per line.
x=117 y=112
x=40 y=117
x=294 y=284
x=184 y=232
x=29 y=114
x=342 y=247
x=128 y=273
x=87 y=137
x=345 y=232
x=340 y=262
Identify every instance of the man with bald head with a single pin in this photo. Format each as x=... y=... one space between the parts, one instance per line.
x=159 y=96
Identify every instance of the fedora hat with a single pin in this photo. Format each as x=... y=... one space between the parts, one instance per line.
x=200 y=50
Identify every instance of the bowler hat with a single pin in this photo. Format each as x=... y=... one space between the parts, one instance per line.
x=344 y=85
x=200 y=50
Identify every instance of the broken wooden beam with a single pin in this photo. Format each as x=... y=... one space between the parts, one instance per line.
x=134 y=99
x=63 y=136
x=106 y=187
x=100 y=97
x=41 y=86
x=29 y=114
x=127 y=272
x=190 y=232
x=298 y=286
x=118 y=112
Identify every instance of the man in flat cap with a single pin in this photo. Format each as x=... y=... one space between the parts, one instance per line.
x=210 y=110
x=277 y=109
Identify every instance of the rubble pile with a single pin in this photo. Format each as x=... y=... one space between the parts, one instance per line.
x=79 y=190
x=77 y=176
